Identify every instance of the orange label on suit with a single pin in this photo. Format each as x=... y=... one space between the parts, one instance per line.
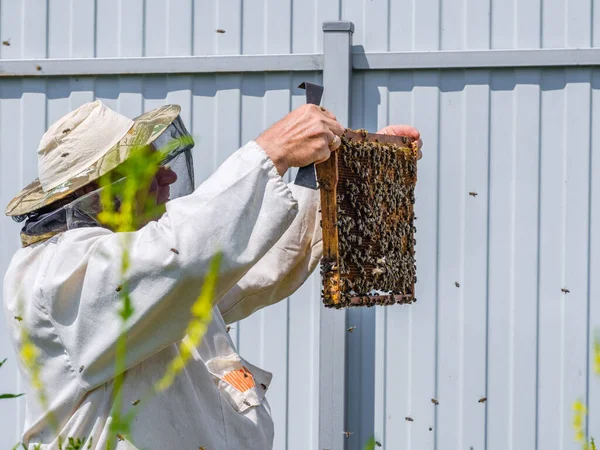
x=241 y=379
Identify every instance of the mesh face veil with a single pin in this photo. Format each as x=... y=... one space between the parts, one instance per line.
x=174 y=179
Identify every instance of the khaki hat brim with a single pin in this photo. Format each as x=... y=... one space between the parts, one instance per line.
x=145 y=130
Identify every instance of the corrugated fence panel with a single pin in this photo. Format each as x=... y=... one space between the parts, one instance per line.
x=502 y=332
x=111 y=28
x=593 y=394
x=222 y=112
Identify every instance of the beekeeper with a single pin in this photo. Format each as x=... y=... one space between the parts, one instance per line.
x=62 y=285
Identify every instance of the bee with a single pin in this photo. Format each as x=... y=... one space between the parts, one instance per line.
x=456 y=284
x=66 y=131
x=6 y=42
x=174 y=250
x=430 y=428
x=81 y=369
x=348 y=433
x=119 y=288
x=409 y=419
x=381 y=260
x=264 y=386
x=323 y=184
x=473 y=194
x=434 y=401
x=121 y=437
x=351 y=329
x=220 y=31
x=202 y=448
x=136 y=402
x=482 y=400
x=378 y=444
x=565 y=290
x=227 y=328
x=19 y=318
x=38 y=67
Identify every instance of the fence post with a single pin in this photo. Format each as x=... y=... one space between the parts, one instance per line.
x=337 y=78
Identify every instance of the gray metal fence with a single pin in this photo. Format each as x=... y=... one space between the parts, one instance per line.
x=514 y=122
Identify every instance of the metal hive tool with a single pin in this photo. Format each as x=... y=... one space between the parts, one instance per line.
x=367 y=198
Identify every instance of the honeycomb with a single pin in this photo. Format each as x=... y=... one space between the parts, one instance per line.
x=367 y=209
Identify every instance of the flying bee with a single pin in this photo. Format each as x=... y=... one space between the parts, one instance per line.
x=120 y=437
x=409 y=419
x=565 y=290
x=473 y=194
x=351 y=329
x=348 y=433
x=434 y=401
x=136 y=402
x=482 y=400
x=456 y=284
x=19 y=318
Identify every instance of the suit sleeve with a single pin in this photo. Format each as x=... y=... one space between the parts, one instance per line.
x=285 y=267
x=242 y=210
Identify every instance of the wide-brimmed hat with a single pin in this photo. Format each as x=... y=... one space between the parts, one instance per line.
x=84 y=145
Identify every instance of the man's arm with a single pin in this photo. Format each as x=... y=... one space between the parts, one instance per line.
x=286 y=265
x=241 y=211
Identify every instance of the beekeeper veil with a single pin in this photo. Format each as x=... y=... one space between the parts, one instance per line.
x=59 y=201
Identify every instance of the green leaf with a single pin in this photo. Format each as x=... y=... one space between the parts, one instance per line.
x=370 y=445
x=10 y=396
x=127 y=308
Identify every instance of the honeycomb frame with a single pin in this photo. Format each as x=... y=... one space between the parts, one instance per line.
x=367 y=216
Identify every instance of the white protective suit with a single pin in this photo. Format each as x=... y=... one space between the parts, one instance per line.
x=65 y=291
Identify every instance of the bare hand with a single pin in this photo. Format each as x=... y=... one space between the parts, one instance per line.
x=306 y=135
x=404 y=130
